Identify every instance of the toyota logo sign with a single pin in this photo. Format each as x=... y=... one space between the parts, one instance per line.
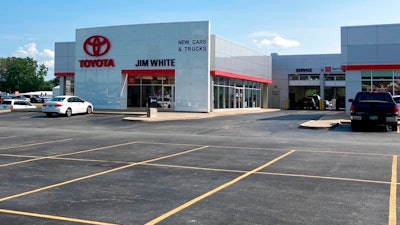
x=96 y=45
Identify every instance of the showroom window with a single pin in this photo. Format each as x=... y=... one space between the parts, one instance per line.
x=381 y=80
x=232 y=93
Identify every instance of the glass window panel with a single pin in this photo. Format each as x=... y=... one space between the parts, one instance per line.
x=340 y=77
x=366 y=74
x=329 y=77
x=366 y=86
x=388 y=74
x=293 y=77
x=304 y=77
x=384 y=86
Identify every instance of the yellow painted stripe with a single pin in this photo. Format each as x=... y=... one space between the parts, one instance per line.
x=209 y=193
x=272 y=174
x=20 y=156
x=305 y=150
x=66 y=154
x=93 y=149
x=98 y=174
x=393 y=194
x=21 y=162
x=33 y=144
x=8 y=137
x=53 y=217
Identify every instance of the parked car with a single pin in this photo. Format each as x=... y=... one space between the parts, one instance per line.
x=34 y=98
x=340 y=102
x=66 y=105
x=14 y=97
x=373 y=108
x=164 y=103
x=16 y=104
x=328 y=104
x=305 y=103
x=317 y=99
x=396 y=99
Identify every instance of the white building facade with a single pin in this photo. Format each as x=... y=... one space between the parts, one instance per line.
x=369 y=61
x=297 y=76
x=181 y=64
x=371 y=58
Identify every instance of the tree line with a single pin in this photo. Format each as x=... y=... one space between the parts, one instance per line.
x=24 y=75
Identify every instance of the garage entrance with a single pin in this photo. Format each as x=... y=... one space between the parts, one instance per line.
x=331 y=90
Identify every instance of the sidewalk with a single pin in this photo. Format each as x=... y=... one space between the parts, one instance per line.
x=323 y=123
x=328 y=121
x=170 y=116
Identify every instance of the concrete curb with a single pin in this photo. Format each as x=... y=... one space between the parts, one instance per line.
x=175 y=116
x=323 y=124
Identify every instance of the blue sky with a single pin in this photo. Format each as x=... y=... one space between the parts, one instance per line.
x=288 y=27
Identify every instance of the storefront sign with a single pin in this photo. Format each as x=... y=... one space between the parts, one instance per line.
x=96 y=46
x=97 y=63
x=192 y=45
x=155 y=62
x=329 y=69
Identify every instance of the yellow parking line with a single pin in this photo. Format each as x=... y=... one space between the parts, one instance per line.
x=20 y=156
x=215 y=190
x=21 y=162
x=272 y=174
x=98 y=174
x=92 y=150
x=53 y=217
x=65 y=154
x=7 y=137
x=393 y=194
x=33 y=144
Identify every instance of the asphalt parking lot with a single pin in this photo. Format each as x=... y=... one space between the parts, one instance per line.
x=243 y=169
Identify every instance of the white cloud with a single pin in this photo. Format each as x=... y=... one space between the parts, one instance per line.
x=46 y=56
x=267 y=39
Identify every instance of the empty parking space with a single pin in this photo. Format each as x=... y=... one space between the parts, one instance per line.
x=78 y=176
x=54 y=182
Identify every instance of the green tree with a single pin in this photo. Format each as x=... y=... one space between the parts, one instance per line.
x=22 y=74
x=53 y=83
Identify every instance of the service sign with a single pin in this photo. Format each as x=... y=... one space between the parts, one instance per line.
x=96 y=46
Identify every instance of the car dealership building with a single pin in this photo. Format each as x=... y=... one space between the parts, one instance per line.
x=181 y=64
x=188 y=69
x=369 y=61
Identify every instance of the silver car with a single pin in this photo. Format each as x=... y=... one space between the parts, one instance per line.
x=13 y=104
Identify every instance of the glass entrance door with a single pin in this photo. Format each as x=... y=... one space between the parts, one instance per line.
x=166 y=99
x=239 y=98
x=138 y=95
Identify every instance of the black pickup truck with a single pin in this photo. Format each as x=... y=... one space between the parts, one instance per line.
x=373 y=108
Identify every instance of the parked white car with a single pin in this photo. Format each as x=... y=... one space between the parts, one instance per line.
x=165 y=103
x=13 y=104
x=66 y=105
x=396 y=99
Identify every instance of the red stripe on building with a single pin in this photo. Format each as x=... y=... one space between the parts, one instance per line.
x=371 y=67
x=162 y=72
x=239 y=76
x=64 y=74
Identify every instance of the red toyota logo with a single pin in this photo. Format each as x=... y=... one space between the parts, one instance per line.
x=96 y=45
